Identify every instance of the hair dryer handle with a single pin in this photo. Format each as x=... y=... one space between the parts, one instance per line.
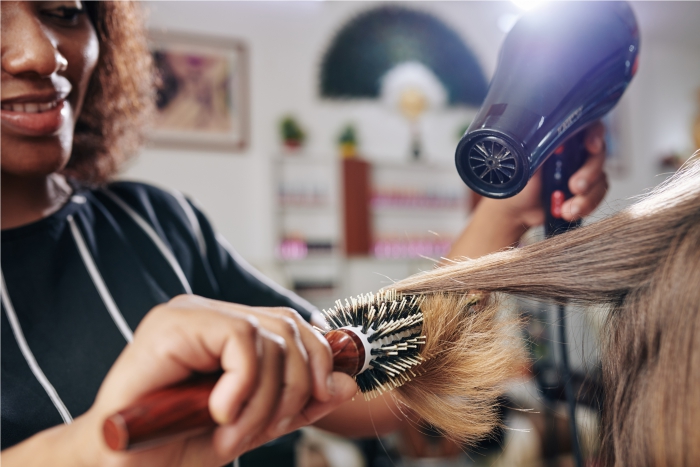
x=556 y=171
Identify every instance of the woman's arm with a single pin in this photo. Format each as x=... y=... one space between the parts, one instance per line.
x=359 y=418
x=277 y=377
x=59 y=446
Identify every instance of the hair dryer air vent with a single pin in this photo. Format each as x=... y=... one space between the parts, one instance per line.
x=492 y=161
x=493 y=164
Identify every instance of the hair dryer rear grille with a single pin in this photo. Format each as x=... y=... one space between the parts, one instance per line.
x=492 y=162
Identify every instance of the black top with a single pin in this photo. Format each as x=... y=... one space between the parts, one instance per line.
x=77 y=283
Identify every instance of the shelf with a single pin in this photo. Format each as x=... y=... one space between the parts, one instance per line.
x=316 y=291
x=414 y=166
x=312 y=285
x=312 y=257
x=295 y=249
x=417 y=210
x=371 y=259
x=362 y=208
x=412 y=249
x=321 y=209
x=304 y=159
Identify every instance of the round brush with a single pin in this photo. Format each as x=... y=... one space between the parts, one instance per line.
x=374 y=337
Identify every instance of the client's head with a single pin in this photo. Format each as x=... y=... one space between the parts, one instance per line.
x=644 y=265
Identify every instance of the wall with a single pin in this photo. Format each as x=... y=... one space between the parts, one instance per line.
x=659 y=109
x=286 y=41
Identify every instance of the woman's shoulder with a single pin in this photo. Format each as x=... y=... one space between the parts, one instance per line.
x=144 y=193
x=162 y=208
x=150 y=199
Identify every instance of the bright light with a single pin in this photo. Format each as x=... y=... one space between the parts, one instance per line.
x=507 y=21
x=527 y=4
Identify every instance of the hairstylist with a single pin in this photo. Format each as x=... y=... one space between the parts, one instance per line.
x=81 y=267
x=84 y=261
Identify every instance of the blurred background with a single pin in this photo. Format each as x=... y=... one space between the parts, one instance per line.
x=319 y=137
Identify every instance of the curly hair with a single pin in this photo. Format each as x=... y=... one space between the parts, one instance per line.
x=120 y=95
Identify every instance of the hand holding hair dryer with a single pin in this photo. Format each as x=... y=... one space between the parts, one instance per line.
x=561 y=67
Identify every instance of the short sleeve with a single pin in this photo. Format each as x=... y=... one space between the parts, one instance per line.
x=212 y=268
x=237 y=280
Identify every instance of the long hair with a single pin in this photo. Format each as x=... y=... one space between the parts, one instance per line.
x=644 y=265
x=119 y=99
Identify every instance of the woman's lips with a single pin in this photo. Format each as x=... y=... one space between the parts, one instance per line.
x=34 y=118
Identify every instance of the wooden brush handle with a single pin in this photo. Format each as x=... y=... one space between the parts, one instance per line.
x=183 y=408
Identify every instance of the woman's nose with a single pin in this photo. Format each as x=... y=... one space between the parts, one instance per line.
x=28 y=46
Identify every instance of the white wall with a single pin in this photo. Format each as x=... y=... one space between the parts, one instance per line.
x=659 y=107
x=286 y=41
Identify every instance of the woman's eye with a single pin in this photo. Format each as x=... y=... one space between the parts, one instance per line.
x=67 y=15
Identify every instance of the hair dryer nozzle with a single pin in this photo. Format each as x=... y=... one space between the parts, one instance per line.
x=492 y=164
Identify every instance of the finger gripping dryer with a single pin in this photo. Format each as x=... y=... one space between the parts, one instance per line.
x=561 y=67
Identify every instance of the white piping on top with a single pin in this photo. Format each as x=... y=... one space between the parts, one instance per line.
x=146 y=227
x=29 y=356
x=99 y=282
x=194 y=222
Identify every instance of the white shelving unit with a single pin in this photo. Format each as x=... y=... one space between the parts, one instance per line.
x=308 y=219
x=417 y=210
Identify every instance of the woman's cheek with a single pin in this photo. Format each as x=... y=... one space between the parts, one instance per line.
x=88 y=60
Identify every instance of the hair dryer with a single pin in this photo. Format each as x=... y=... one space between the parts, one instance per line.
x=561 y=67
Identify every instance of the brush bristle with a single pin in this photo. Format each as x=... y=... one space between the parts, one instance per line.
x=392 y=323
x=458 y=356
x=472 y=352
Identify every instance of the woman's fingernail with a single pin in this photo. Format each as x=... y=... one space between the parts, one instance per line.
x=330 y=385
x=219 y=416
x=575 y=210
x=283 y=425
x=581 y=184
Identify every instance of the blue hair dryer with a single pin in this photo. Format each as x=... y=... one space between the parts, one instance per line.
x=561 y=67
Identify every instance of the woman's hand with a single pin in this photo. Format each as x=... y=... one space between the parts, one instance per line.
x=588 y=185
x=277 y=377
x=499 y=223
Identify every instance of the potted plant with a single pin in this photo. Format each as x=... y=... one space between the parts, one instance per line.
x=293 y=135
x=347 y=141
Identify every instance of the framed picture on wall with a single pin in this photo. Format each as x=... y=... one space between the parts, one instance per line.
x=202 y=92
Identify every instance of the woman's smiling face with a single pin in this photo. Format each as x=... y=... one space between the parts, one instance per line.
x=49 y=51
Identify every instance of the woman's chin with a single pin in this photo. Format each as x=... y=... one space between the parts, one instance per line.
x=35 y=157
